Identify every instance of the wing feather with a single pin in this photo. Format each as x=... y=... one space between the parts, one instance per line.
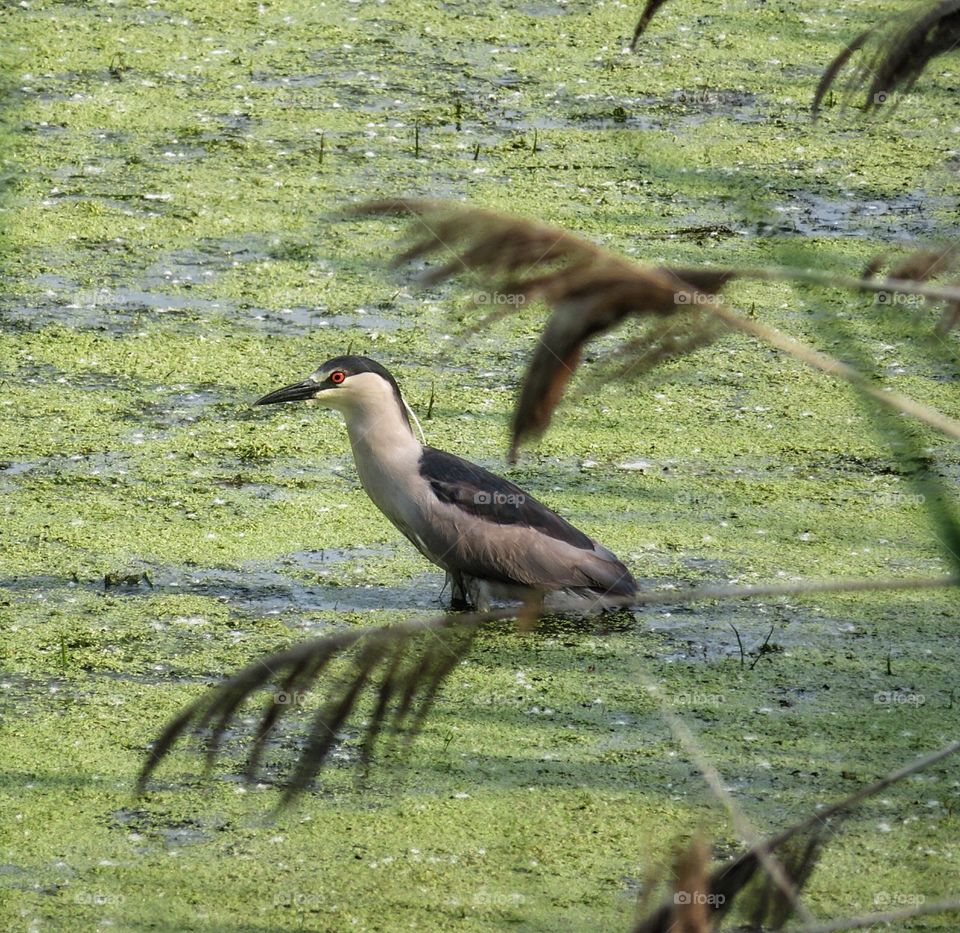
x=527 y=543
x=491 y=498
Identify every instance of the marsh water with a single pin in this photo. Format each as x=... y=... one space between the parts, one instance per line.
x=171 y=250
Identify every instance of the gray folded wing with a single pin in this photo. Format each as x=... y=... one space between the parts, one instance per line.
x=484 y=526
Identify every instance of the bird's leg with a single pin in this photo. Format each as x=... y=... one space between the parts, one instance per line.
x=530 y=611
x=479 y=594
x=458 y=593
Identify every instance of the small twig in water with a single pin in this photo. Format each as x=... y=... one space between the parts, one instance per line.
x=762 y=649
x=739 y=643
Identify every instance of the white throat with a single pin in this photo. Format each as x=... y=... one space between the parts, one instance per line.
x=376 y=421
x=381 y=435
x=385 y=449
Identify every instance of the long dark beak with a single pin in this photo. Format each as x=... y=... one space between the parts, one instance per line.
x=298 y=392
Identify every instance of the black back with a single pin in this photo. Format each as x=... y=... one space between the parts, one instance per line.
x=490 y=497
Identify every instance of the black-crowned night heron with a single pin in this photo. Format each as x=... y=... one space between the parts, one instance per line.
x=493 y=539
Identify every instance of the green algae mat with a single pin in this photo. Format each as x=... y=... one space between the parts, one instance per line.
x=169 y=253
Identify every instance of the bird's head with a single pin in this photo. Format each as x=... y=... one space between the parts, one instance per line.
x=350 y=384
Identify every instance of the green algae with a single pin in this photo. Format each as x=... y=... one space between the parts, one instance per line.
x=169 y=256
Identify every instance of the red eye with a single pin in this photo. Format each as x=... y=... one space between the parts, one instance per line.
x=337 y=377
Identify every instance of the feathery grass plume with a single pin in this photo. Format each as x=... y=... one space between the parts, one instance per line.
x=403 y=666
x=686 y=328
x=591 y=301
x=701 y=899
x=798 y=848
x=591 y=291
x=661 y=341
x=921 y=266
x=649 y=11
x=766 y=905
x=950 y=318
x=894 y=53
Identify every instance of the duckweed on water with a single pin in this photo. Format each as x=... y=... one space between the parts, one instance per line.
x=168 y=256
